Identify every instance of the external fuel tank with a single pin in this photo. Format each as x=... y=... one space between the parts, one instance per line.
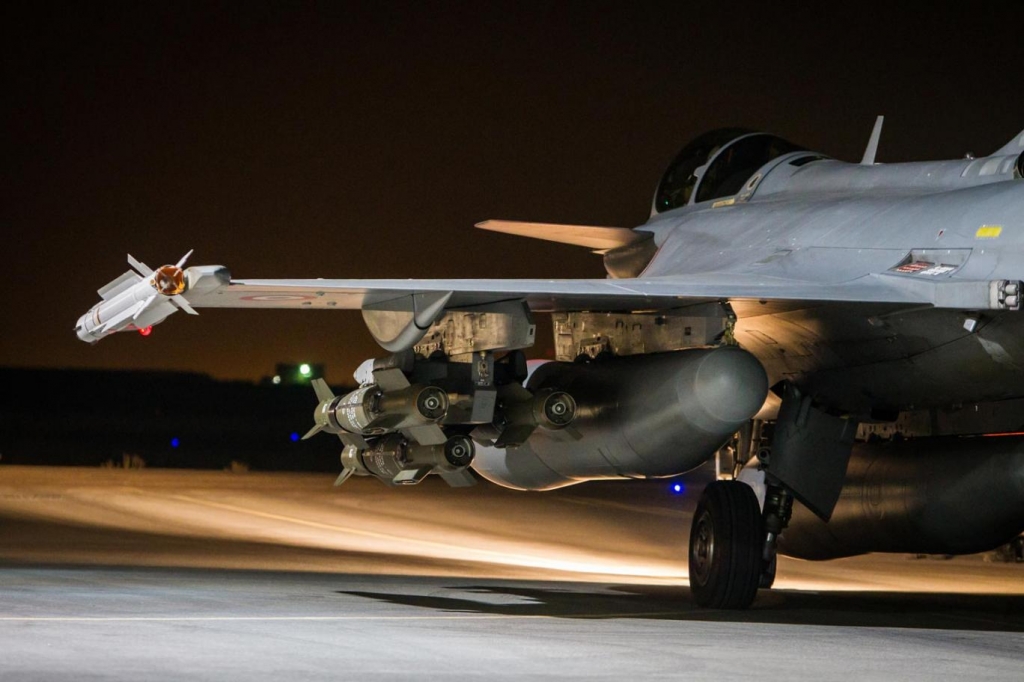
x=641 y=416
x=925 y=496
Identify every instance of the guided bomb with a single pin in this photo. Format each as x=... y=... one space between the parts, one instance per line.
x=398 y=461
x=371 y=411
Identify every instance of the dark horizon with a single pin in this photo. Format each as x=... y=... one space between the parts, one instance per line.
x=157 y=418
x=321 y=140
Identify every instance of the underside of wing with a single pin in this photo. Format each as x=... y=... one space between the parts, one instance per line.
x=548 y=295
x=398 y=311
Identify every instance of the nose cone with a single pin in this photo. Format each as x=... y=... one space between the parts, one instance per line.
x=731 y=384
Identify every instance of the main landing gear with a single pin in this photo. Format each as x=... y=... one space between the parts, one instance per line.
x=732 y=544
x=726 y=546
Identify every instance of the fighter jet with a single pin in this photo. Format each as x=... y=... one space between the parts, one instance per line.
x=845 y=335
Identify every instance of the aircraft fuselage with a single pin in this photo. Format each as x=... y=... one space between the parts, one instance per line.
x=866 y=356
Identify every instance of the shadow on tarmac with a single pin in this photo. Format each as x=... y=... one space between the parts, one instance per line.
x=1000 y=613
x=518 y=594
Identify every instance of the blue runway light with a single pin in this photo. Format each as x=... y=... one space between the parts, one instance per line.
x=677 y=488
x=175 y=442
x=295 y=437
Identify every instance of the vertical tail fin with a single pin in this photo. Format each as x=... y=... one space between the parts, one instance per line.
x=869 y=153
x=1014 y=146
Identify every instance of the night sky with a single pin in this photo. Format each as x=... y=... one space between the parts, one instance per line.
x=304 y=140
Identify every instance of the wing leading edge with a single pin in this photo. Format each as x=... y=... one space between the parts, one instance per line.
x=401 y=309
x=546 y=295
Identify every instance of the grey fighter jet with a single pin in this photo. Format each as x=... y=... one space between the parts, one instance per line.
x=848 y=336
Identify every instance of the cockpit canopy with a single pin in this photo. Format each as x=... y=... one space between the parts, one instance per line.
x=717 y=164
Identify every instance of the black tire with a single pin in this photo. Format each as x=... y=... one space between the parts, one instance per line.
x=726 y=541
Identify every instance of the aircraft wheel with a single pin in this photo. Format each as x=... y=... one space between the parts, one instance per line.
x=726 y=541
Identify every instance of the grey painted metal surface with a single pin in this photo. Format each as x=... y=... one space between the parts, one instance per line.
x=931 y=496
x=872 y=289
x=649 y=415
x=841 y=242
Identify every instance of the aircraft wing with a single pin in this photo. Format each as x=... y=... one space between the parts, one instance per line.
x=545 y=295
x=396 y=310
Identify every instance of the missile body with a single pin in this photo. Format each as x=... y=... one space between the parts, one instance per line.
x=136 y=300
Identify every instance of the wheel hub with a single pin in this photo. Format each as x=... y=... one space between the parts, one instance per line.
x=702 y=553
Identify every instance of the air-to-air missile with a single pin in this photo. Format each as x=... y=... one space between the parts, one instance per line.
x=137 y=300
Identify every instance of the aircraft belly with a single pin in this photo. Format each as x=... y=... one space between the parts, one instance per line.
x=855 y=361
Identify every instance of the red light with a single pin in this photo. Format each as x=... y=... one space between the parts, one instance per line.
x=146 y=331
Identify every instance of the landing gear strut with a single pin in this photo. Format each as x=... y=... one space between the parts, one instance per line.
x=778 y=509
x=726 y=546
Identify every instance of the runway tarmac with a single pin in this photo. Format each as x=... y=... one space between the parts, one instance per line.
x=112 y=574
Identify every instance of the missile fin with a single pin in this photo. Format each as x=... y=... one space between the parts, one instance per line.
x=119 y=320
x=116 y=286
x=484 y=402
x=514 y=436
x=184 y=258
x=391 y=379
x=485 y=434
x=514 y=392
x=313 y=431
x=143 y=307
x=323 y=391
x=459 y=479
x=343 y=476
x=410 y=476
x=354 y=440
x=567 y=435
x=183 y=304
x=142 y=268
x=428 y=434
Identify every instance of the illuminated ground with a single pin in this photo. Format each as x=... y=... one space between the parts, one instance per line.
x=132 y=574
